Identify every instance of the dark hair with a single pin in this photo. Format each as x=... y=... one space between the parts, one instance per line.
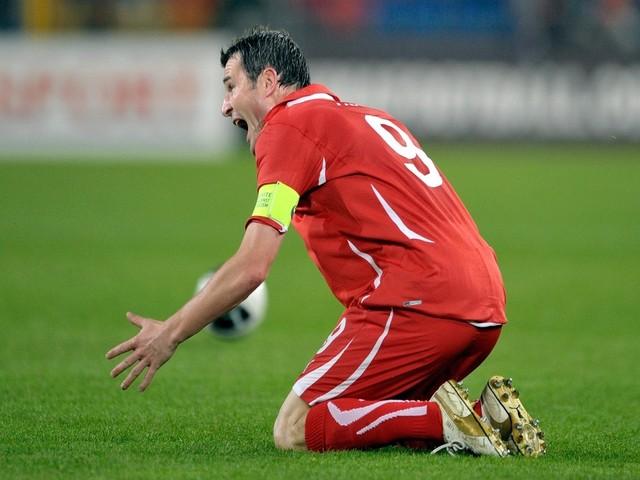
x=260 y=48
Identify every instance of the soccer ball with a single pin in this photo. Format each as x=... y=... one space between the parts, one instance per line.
x=242 y=319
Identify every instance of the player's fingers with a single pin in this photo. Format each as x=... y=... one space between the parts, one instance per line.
x=126 y=363
x=148 y=377
x=133 y=374
x=123 y=347
x=137 y=320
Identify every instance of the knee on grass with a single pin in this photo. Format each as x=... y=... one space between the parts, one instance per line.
x=288 y=435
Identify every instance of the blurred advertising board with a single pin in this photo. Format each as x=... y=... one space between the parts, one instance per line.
x=109 y=94
x=483 y=100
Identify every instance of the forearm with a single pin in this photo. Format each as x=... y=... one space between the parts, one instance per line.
x=229 y=286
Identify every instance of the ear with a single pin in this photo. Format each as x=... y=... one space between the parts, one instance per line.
x=269 y=80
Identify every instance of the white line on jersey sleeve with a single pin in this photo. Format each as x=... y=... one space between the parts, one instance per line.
x=395 y=218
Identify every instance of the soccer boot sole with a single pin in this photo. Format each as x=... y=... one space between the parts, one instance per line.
x=525 y=436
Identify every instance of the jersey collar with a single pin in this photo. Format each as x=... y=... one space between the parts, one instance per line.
x=313 y=89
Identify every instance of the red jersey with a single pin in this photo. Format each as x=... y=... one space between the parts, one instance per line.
x=382 y=224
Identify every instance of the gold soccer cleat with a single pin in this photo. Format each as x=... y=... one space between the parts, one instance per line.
x=503 y=409
x=463 y=428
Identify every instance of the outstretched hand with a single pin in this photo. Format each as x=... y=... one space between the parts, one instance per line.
x=150 y=348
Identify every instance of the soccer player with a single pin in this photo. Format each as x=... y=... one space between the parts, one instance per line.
x=423 y=295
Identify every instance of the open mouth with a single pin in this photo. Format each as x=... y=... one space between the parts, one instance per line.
x=240 y=123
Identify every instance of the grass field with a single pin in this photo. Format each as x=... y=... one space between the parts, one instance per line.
x=80 y=244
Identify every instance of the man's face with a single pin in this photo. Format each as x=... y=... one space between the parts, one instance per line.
x=244 y=102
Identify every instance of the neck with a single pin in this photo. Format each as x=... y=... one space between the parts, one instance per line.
x=282 y=92
x=277 y=96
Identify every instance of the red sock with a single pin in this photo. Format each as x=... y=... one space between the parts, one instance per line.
x=477 y=407
x=347 y=423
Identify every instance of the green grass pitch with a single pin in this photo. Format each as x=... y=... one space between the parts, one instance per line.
x=80 y=244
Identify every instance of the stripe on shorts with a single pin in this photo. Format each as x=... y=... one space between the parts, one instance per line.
x=338 y=390
x=333 y=335
x=312 y=377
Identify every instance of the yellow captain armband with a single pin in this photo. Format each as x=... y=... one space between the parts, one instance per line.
x=277 y=202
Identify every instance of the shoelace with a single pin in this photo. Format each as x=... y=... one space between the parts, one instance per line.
x=451 y=448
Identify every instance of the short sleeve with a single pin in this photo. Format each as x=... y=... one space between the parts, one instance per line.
x=285 y=154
